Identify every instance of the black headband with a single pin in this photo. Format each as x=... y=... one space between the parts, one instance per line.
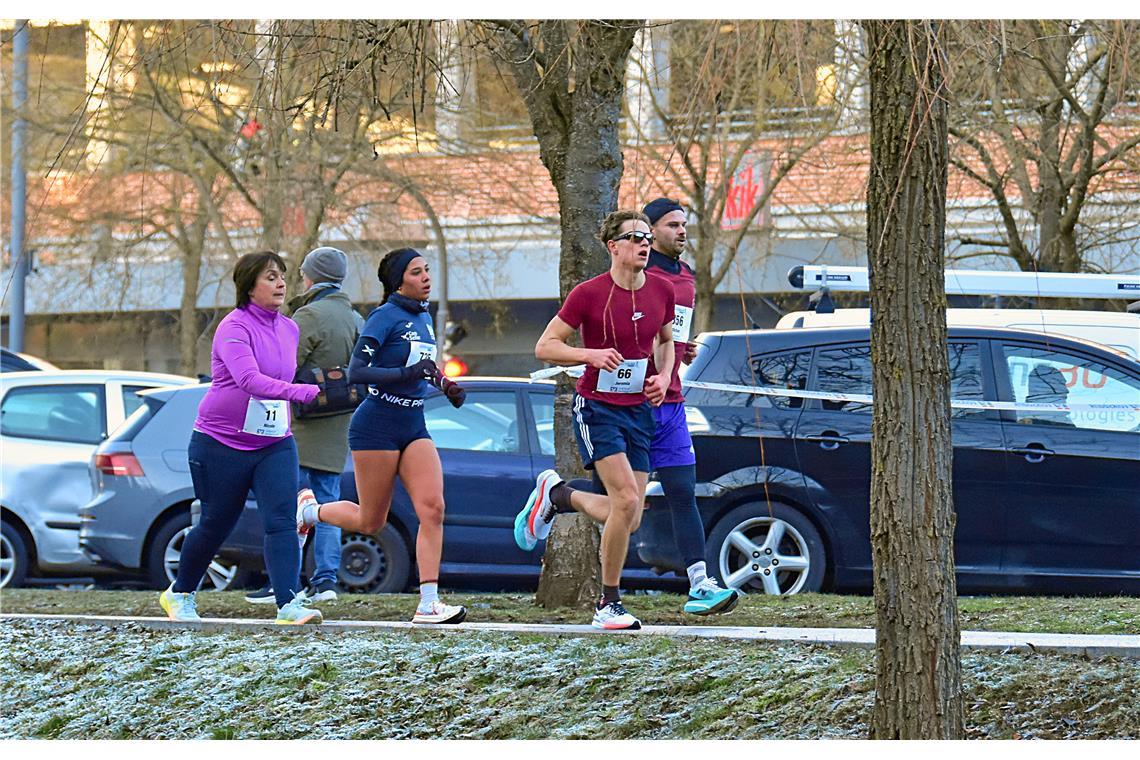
x=659 y=207
x=394 y=275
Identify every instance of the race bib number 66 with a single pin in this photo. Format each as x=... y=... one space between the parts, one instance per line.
x=629 y=377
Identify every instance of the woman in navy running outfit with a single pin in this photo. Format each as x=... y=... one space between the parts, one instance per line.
x=395 y=355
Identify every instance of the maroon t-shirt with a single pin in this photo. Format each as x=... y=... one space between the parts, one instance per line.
x=609 y=316
x=678 y=274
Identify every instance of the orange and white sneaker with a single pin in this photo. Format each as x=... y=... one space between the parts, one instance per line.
x=181 y=608
x=536 y=518
x=613 y=617
x=541 y=518
x=306 y=513
x=298 y=612
x=439 y=613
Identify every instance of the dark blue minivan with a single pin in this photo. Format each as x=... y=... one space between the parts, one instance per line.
x=1045 y=501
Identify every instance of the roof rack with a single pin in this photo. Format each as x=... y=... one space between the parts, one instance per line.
x=978 y=282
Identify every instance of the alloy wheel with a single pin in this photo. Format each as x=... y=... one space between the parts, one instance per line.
x=767 y=555
x=219 y=575
x=7 y=561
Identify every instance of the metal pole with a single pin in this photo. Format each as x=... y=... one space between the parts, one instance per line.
x=441 y=315
x=19 y=188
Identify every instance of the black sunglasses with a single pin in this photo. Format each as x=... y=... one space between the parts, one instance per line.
x=636 y=236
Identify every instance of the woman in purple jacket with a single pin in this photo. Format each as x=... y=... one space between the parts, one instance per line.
x=241 y=440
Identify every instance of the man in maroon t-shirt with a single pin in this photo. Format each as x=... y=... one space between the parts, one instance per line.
x=618 y=315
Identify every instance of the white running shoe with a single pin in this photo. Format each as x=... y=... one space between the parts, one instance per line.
x=613 y=617
x=541 y=517
x=298 y=612
x=305 y=500
x=181 y=608
x=325 y=591
x=440 y=614
x=536 y=518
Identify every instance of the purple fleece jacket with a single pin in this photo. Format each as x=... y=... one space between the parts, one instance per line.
x=254 y=354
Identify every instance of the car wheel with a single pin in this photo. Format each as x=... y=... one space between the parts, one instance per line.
x=166 y=551
x=772 y=553
x=377 y=564
x=13 y=557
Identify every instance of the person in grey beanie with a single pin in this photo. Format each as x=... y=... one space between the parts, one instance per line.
x=329 y=328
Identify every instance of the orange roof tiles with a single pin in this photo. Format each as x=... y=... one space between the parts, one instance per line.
x=511 y=183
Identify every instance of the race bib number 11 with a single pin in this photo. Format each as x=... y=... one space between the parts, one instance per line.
x=267 y=417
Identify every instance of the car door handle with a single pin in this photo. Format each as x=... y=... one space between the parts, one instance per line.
x=829 y=440
x=1033 y=452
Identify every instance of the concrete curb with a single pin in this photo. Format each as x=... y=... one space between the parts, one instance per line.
x=1089 y=645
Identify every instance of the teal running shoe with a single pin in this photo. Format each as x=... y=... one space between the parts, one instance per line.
x=523 y=537
x=181 y=608
x=708 y=598
x=297 y=612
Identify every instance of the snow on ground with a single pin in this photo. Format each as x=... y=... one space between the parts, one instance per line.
x=63 y=680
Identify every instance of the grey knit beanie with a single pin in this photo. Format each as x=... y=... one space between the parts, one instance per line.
x=325 y=264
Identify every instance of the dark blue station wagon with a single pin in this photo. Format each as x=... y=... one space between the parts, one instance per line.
x=491 y=448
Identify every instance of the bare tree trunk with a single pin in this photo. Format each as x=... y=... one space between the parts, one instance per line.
x=702 y=272
x=918 y=689
x=1051 y=196
x=571 y=567
x=188 y=331
x=571 y=75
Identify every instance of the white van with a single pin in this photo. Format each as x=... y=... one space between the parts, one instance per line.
x=1117 y=330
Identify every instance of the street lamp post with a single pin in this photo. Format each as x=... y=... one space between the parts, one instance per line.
x=19 y=258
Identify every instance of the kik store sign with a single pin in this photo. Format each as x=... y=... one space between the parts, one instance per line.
x=745 y=191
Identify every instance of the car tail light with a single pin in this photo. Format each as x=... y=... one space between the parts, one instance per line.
x=126 y=465
x=454 y=367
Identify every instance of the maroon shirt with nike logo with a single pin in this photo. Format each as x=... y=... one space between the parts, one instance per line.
x=607 y=315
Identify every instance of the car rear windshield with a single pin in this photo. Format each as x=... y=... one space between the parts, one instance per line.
x=138 y=420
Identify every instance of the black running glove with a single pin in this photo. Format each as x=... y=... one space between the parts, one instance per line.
x=360 y=370
x=454 y=392
x=424 y=369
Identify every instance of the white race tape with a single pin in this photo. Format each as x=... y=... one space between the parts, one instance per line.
x=863 y=399
x=577 y=370
x=548 y=372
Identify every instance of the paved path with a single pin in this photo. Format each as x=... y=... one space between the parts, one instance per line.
x=1092 y=645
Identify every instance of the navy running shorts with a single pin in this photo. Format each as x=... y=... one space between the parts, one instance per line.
x=387 y=423
x=672 y=445
x=603 y=429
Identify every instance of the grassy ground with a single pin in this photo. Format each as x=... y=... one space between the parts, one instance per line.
x=1011 y=613
x=62 y=680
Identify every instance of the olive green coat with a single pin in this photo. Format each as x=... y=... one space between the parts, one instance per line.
x=329 y=328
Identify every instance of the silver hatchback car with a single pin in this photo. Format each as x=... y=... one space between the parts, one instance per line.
x=50 y=424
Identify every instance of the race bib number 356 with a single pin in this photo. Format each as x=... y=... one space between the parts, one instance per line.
x=267 y=417
x=682 y=323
